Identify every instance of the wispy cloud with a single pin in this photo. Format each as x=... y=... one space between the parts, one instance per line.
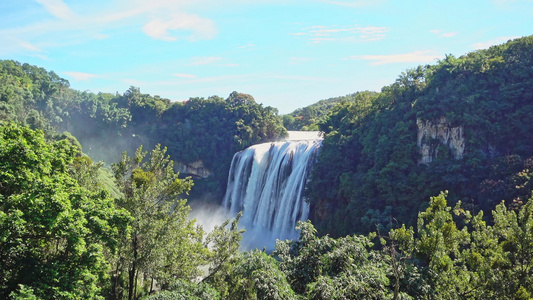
x=320 y=33
x=200 y=28
x=101 y=36
x=211 y=61
x=181 y=75
x=372 y=33
x=80 y=76
x=441 y=33
x=246 y=46
x=496 y=41
x=352 y=3
x=58 y=9
x=229 y=65
x=412 y=57
x=504 y=2
x=166 y=20
x=204 y=60
x=28 y=48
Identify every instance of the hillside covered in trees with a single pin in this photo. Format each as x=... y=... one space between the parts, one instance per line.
x=463 y=125
x=200 y=132
x=64 y=236
x=307 y=118
x=420 y=191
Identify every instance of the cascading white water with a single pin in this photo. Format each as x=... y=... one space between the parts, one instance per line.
x=266 y=182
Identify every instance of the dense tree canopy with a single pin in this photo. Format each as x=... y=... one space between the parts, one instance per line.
x=56 y=237
x=369 y=169
x=163 y=244
x=202 y=130
x=71 y=228
x=307 y=118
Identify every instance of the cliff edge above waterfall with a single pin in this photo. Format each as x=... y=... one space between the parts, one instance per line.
x=303 y=135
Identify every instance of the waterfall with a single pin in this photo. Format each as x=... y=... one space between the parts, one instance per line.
x=266 y=182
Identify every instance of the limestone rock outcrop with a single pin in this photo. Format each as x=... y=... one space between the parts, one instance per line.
x=194 y=169
x=432 y=134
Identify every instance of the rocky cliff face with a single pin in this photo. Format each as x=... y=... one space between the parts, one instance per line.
x=195 y=169
x=433 y=134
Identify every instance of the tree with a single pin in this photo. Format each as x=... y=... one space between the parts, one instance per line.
x=513 y=260
x=56 y=237
x=327 y=268
x=186 y=290
x=163 y=244
x=223 y=242
x=257 y=276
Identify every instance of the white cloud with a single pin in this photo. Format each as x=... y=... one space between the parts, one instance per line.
x=412 y=57
x=504 y=2
x=200 y=28
x=318 y=34
x=41 y=56
x=58 y=9
x=320 y=40
x=30 y=46
x=160 y=19
x=201 y=61
x=246 y=46
x=80 y=76
x=496 y=41
x=229 y=65
x=449 y=34
x=371 y=33
x=354 y=3
x=101 y=36
x=181 y=75
x=441 y=33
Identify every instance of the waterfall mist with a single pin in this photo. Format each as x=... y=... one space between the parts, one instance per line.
x=209 y=215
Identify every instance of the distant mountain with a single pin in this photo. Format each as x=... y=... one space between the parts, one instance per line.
x=307 y=118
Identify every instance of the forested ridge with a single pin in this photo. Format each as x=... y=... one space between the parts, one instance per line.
x=420 y=191
x=462 y=125
x=206 y=131
x=308 y=118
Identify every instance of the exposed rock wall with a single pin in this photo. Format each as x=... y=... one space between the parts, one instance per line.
x=432 y=134
x=195 y=169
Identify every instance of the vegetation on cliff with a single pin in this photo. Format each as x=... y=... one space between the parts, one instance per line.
x=308 y=118
x=207 y=130
x=370 y=170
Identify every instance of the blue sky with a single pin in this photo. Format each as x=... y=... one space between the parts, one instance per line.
x=287 y=54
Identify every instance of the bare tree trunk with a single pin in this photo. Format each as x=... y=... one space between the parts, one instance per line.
x=136 y=278
x=133 y=272
x=131 y=280
x=115 y=281
x=396 y=271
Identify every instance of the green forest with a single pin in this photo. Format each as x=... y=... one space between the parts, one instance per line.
x=420 y=191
